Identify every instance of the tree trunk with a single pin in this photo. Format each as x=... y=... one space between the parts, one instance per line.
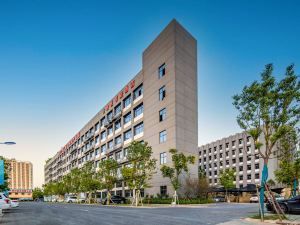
x=108 y=197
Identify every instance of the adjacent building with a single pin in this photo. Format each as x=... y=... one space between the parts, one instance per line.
x=20 y=179
x=159 y=106
x=236 y=152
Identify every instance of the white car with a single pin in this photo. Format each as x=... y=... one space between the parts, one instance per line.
x=253 y=198
x=14 y=203
x=71 y=199
x=5 y=202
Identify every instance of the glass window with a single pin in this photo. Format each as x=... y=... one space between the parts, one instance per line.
x=127 y=118
x=118 y=155
x=125 y=151
x=110 y=144
x=138 y=110
x=163 y=158
x=103 y=135
x=162 y=114
x=109 y=116
x=103 y=148
x=127 y=101
x=240 y=141
x=97 y=127
x=138 y=128
x=97 y=139
x=161 y=70
x=118 y=124
x=118 y=140
x=163 y=190
x=138 y=92
x=162 y=136
x=118 y=109
x=102 y=121
x=162 y=93
x=127 y=135
x=109 y=130
x=97 y=151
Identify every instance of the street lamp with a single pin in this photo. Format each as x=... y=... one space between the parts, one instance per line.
x=8 y=143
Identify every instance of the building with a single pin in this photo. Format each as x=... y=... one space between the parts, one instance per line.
x=159 y=106
x=238 y=153
x=20 y=179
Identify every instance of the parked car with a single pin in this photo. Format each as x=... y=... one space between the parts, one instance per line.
x=5 y=202
x=115 y=199
x=253 y=198
x=287 y=205
x=14 y=203
x=219 y=199
x=71 y=199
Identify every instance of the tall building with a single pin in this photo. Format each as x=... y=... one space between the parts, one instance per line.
x=159 y=106
x=235 y=152
x=20 y=179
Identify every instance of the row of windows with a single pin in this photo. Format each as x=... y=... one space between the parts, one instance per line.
x=241 y=178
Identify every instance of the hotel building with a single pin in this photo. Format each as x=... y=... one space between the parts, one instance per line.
x=20 y=179
x=159 y=106
x=236 y=152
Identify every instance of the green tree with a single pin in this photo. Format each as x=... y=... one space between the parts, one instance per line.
x=37 y=193
x=75 y=181
x=141 y=168
x=108 y=175
x=271 y=182
x=270 y=108
x=226 y=179
x=89 y=182
x=180 y=164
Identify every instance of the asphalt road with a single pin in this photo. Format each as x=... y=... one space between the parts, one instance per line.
x=32 y=213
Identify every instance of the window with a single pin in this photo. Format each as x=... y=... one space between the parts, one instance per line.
x=103 y=148
x=127 y=118
x=103 y=135
x=127 y=101
x=109 y=116
x=97 y=140
x=118 y=109
x=102 y=121
x=220 y=147
x=233 y=160
x=233 y=143
x=162 y=114
x=138 y=92
x=138 y=129
x=97 y=127
x=249 y=176
x=240 y=150
x=256 y=166
x=241 y=177
x=109 y=130
x=163 y=190
x=162 y=93
x=248 y=167
x=110 y=144
x=241 y=168
x=240 y=141
x=138 y=110
x=227 y=145
x=118 y=140
x=162 y=136
x=256 y=176
x=97 y=151
x=118 y=155
x=118 y=124
x=163 y=158
x=125 y=151
x=127 y=135
x=161 y=70
x=241 y=159
x=248 y=139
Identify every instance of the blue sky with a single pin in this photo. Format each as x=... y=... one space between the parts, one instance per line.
x=61 y=61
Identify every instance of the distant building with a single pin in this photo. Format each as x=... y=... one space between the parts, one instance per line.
x=238 y=153
x=20 y=179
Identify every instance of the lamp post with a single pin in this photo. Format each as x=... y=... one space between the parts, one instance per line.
x=2 y=166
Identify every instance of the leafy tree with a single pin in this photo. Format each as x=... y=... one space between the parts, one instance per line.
x=75 y=181
x=226 y=179
x=108 y=175
x=180 y=164
x=141 y=168
x=89 y=182
x=271 y=108
x=271 y=182
x=37 y=193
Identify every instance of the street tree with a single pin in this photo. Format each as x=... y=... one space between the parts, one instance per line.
x=226 y=179
x=180 y=164
x=139 y=170
x=108 y=175
x=37 y=193
x=271 y=108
